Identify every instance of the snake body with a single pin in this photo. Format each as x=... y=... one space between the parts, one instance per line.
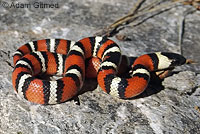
x=67 y=58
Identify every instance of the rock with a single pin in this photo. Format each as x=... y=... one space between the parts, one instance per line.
x=168 y=107
x=184 y=82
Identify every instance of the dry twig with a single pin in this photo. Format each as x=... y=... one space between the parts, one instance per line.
x=194 y=3
x=138 y=11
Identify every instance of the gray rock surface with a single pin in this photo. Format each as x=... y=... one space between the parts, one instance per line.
x=170 y=107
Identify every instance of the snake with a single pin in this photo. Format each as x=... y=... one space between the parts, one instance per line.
x=96 y=57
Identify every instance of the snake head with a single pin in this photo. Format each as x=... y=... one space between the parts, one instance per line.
x=176 y=59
